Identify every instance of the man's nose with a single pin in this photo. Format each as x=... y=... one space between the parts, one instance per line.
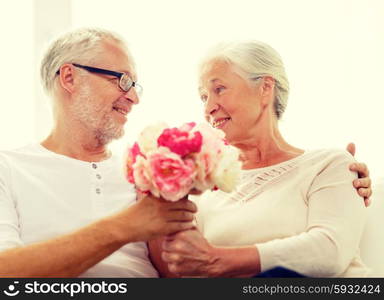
x=132 y=95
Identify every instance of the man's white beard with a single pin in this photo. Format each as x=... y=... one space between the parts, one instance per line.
x=85 y=110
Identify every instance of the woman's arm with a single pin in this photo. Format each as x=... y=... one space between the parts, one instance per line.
x=336 y=217
x=335 y=222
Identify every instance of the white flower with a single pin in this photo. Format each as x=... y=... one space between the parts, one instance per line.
x=148 y=137
x=227 y=172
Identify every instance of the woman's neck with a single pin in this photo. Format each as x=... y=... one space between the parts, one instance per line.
x=266 y=149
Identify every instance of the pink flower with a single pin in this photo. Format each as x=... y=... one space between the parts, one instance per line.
x=133 y=152
x=209 y=155
x=173 y=176
x=181 y=142
x=142 y=176
x=187 y=126
x=170 y=162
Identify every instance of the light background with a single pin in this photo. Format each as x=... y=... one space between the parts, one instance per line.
x=333 y=52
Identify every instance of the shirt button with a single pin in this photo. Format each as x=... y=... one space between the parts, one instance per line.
x=98 y=191
x=94 y=166
x=98 y=176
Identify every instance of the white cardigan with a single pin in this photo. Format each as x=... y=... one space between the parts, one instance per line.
x=302 y=214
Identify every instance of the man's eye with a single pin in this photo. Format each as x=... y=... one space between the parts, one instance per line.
x=113 y=79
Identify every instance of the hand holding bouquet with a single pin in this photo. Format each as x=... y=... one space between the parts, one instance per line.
x=172 y=162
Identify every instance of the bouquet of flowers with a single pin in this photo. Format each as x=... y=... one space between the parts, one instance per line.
x=171 y=162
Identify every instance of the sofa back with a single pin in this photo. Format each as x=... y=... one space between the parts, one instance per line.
x=372 y=242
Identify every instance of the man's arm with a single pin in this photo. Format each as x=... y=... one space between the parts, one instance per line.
x=72 y=254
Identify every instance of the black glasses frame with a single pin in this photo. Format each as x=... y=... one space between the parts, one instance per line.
x=119 y=75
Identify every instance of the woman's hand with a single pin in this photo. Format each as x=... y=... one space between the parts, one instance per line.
x=188 y=253
x=363 y=183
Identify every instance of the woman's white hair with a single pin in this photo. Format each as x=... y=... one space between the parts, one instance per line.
x=80 y=46
x=254 y=59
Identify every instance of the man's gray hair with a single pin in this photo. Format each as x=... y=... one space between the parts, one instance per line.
x=255 y=59
x=80 y=46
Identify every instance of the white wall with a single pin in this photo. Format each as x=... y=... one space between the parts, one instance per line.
x=332 y=50
x=51 y=18
x=16 y=74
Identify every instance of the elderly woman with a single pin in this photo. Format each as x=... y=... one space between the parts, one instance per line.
x=294 y=208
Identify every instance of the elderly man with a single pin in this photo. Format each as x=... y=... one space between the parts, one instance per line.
x=65 y=208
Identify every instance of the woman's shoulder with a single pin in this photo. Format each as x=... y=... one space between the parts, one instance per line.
x=329 y=163
x=329 y=155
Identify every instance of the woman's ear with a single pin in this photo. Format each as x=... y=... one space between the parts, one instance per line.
x=66 y=77
x=268 y=89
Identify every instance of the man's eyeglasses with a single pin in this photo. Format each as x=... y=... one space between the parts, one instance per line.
x=125 y=81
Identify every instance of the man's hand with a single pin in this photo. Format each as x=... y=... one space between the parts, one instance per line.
x=153 y=217
x=363 y=183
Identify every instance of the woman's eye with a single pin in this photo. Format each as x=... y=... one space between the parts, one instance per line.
x=219 y=89
x=203 y=98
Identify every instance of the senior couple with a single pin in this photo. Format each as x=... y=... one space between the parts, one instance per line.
x=66 y=211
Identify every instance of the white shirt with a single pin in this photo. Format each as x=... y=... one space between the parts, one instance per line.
x=44 y=195
x=302 y=214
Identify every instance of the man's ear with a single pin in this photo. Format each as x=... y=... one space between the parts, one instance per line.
x=268 y=89
x=66 y=77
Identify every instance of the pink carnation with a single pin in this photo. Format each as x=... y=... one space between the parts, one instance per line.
x=179 y=141
x=173 y=176
x=133 y=152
